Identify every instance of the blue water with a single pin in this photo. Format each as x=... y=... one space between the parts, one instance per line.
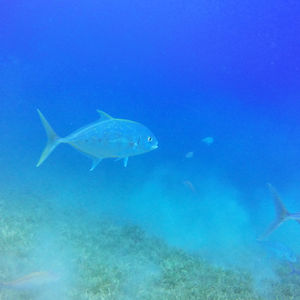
x=186 y=70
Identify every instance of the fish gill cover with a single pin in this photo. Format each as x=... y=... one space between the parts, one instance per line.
x=218 y=85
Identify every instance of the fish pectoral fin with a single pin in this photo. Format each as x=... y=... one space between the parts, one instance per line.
x=103 y=116
x=95 y=163
x=125 y=161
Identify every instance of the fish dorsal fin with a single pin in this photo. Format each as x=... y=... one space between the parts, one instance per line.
x=103 y=116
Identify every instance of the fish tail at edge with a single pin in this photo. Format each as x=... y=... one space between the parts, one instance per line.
x=281 y=213
x=53 y=139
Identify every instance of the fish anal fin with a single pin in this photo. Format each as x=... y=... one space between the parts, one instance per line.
x=125 y=161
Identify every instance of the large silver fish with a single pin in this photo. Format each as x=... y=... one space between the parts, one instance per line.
x=106 y=138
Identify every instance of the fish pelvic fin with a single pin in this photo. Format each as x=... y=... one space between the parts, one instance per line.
x=281 y=213
x=95 y=163
x=52 y=142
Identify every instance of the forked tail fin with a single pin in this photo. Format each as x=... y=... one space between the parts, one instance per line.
x=53 y=139
x=281 y=213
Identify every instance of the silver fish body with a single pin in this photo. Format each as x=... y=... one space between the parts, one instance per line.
x=107 y=138
x=112 y=138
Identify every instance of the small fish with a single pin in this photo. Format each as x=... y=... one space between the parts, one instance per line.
x=189 y=154
x=106 y=138
x=190 y=186
x=282 y=214
x=208 y=140
x=30 y=281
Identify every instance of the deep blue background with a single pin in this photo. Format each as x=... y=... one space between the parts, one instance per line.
x=186 y=69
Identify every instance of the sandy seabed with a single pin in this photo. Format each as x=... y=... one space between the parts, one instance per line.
x=97 y=258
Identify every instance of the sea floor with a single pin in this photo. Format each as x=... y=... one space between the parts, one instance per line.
x=98 y=258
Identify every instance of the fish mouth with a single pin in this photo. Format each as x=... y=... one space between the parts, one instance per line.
x=154 y=147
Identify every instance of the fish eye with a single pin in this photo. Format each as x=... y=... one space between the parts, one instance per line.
x=149 y=139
